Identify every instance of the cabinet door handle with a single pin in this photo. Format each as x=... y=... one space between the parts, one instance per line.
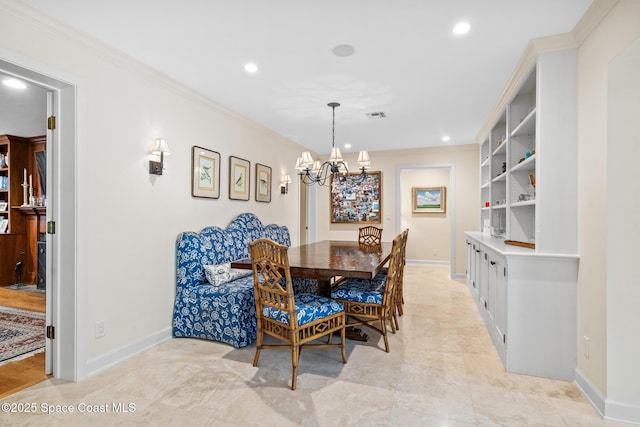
x=493 y=263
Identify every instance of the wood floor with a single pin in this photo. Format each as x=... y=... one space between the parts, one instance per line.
x=15 y=376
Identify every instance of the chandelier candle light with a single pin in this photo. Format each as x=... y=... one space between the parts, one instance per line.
x=314 y=172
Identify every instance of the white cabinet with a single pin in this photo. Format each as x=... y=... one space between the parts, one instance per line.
x=528 y=303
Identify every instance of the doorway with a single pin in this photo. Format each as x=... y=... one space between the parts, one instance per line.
x=61 y=210
x=433 y=233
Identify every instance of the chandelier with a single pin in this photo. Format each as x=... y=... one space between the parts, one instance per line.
x=315 y=172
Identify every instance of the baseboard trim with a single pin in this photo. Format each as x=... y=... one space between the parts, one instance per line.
x=112 y=358
x=590 y=391
x=622 y=412
x=608 y=409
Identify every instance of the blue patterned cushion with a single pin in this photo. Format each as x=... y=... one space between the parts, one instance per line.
x=223 y=273
x=361 y=290
x=309 y=307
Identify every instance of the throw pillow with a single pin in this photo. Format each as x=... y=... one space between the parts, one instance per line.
x=223 y=273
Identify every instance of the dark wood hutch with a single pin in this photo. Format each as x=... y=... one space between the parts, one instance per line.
x=22 y=241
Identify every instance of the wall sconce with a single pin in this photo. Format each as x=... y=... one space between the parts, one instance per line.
x=284 y=184
x=160 y=147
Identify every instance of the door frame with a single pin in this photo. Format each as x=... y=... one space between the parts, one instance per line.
x=451 y=205
x=64 y=207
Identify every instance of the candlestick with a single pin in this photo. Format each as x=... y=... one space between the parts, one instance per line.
x=24 y=181
x=30 y=181
x=25 y=194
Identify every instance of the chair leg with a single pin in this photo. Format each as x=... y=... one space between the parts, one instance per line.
x=295 y=354
x=383 y=326
x=395 y=319
x=258 y=347
x=342 y=346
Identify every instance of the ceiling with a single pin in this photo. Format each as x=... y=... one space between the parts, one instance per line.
x=407 y=62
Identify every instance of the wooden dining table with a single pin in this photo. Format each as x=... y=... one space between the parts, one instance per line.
x=327 y=259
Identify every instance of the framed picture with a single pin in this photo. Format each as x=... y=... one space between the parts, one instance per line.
x=205 y=173
x=239 y=178
x=3 y=206
x=4 y=222
x=429 y=199
x=263 y=183
x=356 y=198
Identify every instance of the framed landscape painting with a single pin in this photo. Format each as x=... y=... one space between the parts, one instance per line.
x=263 y=183
x=429 y=199
x=205 y=173
x=239 y=176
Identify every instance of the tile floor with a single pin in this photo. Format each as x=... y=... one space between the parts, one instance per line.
x=442 y=371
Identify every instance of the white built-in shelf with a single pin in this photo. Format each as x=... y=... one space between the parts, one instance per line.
x=502 y=148
x=527 y=126
x=528 y=164
x=522 y=204
x=501 y=177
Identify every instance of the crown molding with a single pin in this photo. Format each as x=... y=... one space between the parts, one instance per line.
x=594 y=15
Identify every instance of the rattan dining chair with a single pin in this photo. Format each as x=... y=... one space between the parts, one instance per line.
x=371 y=302
x=370 y=235
x=399 y=296
x=295 y=319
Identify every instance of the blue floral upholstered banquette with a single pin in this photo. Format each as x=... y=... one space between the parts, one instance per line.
x=224 y=311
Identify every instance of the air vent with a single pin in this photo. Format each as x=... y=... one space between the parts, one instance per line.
x=377 y=115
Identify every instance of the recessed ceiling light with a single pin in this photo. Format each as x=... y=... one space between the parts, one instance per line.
x=343 y=50
x=14 y=83
x=347 y=146
x=446 y=138
x=461 y=28
x=251 y=68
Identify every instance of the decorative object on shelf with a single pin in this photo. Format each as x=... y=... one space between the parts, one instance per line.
x=313 y=172
x=532 y=185
x=3 y=161
x=159 y=148
x=521 y=244
x=284 y=184
x=239 y=176
x=263 y=183
x=205 y=173
x=430 y=199
x=3 y=206
x=25 y=189
x=4 y=222
x=504 y=167
x=356 y=198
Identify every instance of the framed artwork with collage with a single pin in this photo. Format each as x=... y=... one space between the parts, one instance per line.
x=356 y=198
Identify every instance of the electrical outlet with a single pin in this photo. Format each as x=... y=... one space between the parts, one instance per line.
x=100 y=329
x=587 y=350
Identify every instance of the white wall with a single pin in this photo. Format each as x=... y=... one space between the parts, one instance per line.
x=465 y=176
x=601 y=190
x=129 y=220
